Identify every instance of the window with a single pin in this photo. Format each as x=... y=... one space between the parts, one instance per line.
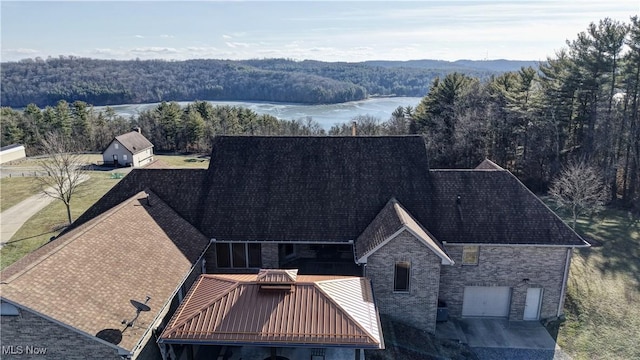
x=470 y=255
x=124 y=157
x=401 y=278
x=116 y=146
x=238 y=255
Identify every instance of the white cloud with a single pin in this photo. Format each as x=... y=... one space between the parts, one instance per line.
x=165 y=36
x=155 y=50
x=237 y=44
x=22 y=51
x=225 y=36
x=139 y=36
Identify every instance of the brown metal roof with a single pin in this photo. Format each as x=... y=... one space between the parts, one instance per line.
x=277 y=276
x=317 y=311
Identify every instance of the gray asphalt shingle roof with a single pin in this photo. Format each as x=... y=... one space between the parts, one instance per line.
x=331 y=188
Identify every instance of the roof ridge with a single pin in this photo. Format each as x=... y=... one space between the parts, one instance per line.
x=348 y=314
x=234 y=285
x=74 y=235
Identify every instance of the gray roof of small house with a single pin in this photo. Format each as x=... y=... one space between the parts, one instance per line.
x=9 y=147
x=134 y=141
x=330 y=189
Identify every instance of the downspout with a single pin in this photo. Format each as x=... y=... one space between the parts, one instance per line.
x=563 y=291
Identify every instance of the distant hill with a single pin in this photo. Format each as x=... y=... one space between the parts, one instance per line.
x=111 y=82
x=499 y=65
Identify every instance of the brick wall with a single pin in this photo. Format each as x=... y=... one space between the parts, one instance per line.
x=506 y=266
x=58 y=342
x=418 y=307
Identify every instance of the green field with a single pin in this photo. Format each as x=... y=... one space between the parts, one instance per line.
x=15 y=189
x=50 y=221
x=603 y=292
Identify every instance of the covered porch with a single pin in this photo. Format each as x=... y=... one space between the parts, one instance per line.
x=275 y=314
x=207 y=352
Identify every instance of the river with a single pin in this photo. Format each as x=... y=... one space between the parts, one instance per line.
x=325 y=115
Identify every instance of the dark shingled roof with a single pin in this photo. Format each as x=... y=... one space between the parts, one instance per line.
x=310 y=188
x=487 y=164
x=493 y=207
x=332 y=188
x=134 y=142
x=181 y=189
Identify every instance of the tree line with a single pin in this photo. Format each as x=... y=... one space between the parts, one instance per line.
x=44 y=82
x=581 y=105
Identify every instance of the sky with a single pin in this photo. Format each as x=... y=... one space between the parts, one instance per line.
x=321 y=30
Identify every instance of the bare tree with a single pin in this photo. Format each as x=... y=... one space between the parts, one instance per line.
x=64 y=168
x=581 y=189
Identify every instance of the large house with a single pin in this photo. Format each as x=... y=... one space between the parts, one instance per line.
x=130 y=149
x=289 y=217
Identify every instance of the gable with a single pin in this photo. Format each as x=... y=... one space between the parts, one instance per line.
x=134 y=142
x=392 y=221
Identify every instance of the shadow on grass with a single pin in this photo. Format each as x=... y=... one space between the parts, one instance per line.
x=32 y=237
x=619 y=233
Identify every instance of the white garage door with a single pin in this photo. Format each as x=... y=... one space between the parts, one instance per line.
x=486 y=301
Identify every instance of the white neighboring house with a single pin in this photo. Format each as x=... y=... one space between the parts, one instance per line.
x=130 y=149
x=12 y=152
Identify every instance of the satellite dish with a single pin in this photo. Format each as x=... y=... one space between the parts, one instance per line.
x=139 y=306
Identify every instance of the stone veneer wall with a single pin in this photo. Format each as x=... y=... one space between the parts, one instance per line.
x=30 y=329
x=419 y=306
x=506 y=266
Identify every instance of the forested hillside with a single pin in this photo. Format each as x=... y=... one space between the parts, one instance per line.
x=582 y=104
x=110 y=82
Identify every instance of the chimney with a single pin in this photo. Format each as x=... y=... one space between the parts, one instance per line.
x=354 y=127
x=137 y=128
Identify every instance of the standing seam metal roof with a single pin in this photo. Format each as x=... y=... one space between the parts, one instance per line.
x=318 y=311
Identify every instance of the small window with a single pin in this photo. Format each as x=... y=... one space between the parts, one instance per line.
x=124 y=157
x=470 y=255
x=238 y=255
x=116 y=146
x=401 y=278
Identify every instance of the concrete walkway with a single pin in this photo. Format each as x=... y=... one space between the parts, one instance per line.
x=12 y=219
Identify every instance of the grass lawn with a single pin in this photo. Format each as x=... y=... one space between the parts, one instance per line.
x=15 y=189
x=603 y=292
x=48 y=222
x=181 y=161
